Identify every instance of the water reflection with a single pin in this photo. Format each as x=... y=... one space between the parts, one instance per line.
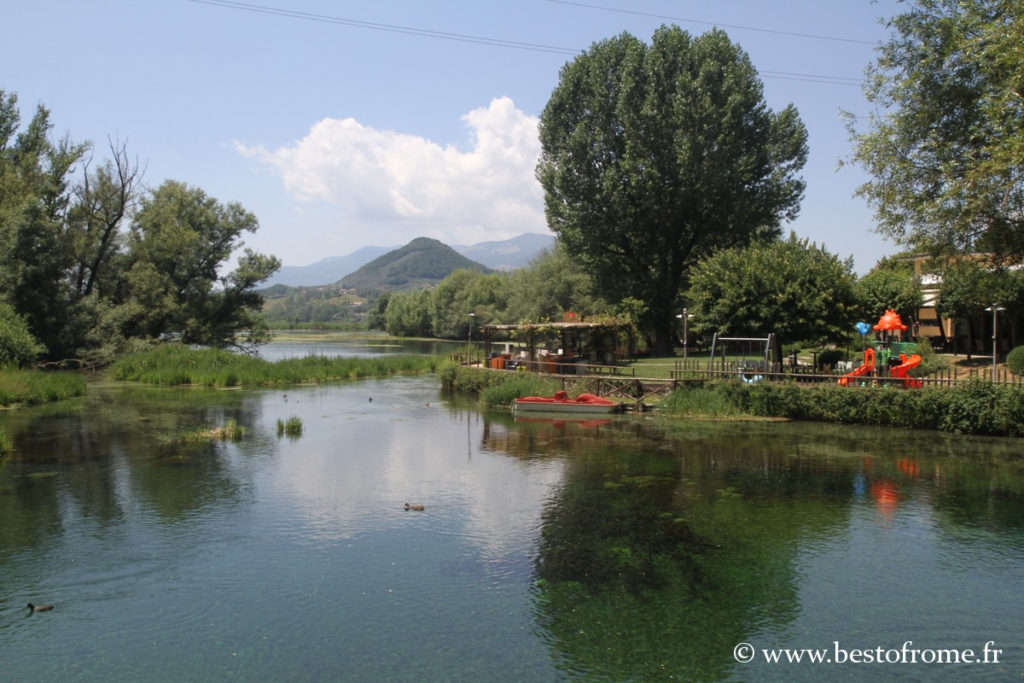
x=657 y=557
x=623 y=548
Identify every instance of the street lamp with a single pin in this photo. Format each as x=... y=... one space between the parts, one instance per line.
x=469 y=332
x=995 y=308
x=685 y=317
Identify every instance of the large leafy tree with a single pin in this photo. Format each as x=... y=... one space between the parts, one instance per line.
x=793 y=288
x=35 y=196
x=654 y=156
x=75 y=282
x=179 y=240
x=945 y=147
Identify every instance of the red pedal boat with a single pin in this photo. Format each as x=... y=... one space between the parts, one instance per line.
x=561 y=403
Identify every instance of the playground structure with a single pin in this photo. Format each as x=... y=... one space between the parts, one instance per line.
x=888 y=360
x=750 y=371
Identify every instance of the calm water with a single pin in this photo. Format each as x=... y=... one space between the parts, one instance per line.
x=606 y=550
x=357 y=347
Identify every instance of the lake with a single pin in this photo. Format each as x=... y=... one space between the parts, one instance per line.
x=620 y=549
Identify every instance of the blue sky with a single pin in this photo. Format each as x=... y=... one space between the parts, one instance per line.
x=344 y=124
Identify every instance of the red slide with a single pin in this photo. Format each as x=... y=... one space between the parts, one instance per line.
x=867 y=366
x=906 y=364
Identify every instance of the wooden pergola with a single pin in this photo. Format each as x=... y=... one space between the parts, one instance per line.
x=575 y=339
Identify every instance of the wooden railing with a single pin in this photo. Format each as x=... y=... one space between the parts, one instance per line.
x=809 y=375
x=698 y=371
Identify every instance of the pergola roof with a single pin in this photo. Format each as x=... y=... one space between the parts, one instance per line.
x=565 y=326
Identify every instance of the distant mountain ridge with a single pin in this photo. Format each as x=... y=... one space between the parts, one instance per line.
x=508 y=254
x=497 y=255
x=420 y=263
x=325 y=271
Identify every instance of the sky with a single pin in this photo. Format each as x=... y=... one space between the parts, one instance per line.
x=343 y=124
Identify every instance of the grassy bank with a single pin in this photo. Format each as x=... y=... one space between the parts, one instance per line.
x=977 y=407
x=32 y=387
x=495 y=388
x=175 y=365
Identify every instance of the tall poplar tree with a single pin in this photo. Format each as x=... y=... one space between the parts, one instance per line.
x=655 y=156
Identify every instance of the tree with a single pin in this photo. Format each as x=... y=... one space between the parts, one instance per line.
x=17 y=345
x=408 y=314
x=463 y=292
x=179 y=240
x=967 y=288
x=35 y=195
x=945 y=150
x=793 y=288
x=81 y=285
x=656 y=156
x=890 y=285
x=553 y=284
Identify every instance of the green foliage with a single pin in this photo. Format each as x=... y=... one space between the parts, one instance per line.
x=461 y=293
x=975 y=408
x=292 y=427
x=985 y=408
x=551 y=285
x=654 y=157
x=705 y=401
x=175 y=364
x=517 y=385
x=967 y=288
x=18 y=347
x=943 y=149
x=1015 y=360
x=793 y=288
x=35 y=386
x=408 y=314
x=890 y=285
x=83 y=284
x=317 y=307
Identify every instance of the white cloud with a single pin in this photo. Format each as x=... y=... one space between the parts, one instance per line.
x=407 y=186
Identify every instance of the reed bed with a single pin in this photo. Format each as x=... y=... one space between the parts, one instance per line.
x=176 y=365
x=33 y=387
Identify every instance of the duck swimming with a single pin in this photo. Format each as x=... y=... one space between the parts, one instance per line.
x=418 y=508
x=39 y=608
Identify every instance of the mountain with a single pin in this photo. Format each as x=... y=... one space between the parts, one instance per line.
x=499 y=255
x=422 y=262
x=325 y=271
x=508 y=254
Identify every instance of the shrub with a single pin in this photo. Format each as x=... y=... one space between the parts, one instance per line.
x=503 y=393
x=979 y=407
x=1015 y=360
x=17 y=345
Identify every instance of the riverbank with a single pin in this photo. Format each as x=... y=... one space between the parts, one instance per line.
x=175 y=365
x=977 y=407
x=32 y=387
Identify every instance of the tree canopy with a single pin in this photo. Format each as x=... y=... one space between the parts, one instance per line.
x=890 y=285
x=793 y=288
x=656 y=156
x=89 y=262
x=945 y=147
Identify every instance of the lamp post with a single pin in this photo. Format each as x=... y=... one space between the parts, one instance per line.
x=469 y=332
x=995 y=308
x=685 y=317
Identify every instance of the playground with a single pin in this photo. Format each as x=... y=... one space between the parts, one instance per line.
x=887 y=361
